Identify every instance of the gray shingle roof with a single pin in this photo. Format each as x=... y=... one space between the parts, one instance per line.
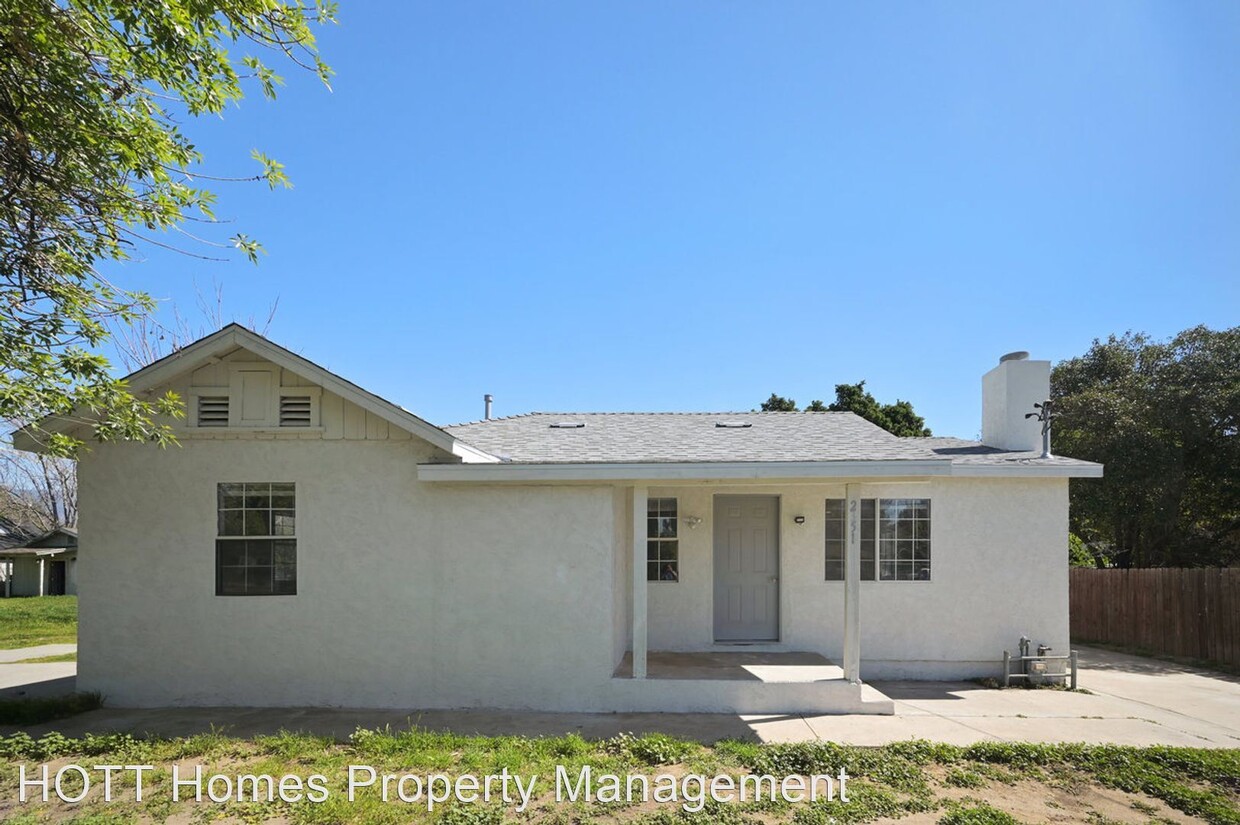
x=696 y=437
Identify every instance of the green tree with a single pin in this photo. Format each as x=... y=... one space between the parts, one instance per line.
x=94 y=164
x=1164 y=418
x=898 y=418
x=777 y=403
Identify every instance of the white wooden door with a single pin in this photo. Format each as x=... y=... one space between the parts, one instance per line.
x=746 y=568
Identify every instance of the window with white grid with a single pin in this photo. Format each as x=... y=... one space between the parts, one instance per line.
x=662 y=542
x=256 y=539
x=895 y=539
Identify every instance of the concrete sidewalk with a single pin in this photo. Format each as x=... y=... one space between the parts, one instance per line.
x=38 y=652
x=28 y=681
x=1132 y=701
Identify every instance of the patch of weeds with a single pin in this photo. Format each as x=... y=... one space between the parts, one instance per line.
x=100 y=818
x=25 y=818
x=22 y=745
x=651 y=748
x=1095 y=818
x=923 y=752
x=964 y=778
x=1144 y=807
x=977 y=813
x=37 y=711
x=1017 y=755
x=472 y=815
x=214 y=743
x=1161 y=772
x=798 y=758
x=866 y=802
x=714 y=813
x=298 y=747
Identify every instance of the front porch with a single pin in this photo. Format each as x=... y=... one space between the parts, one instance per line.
x=744 y=682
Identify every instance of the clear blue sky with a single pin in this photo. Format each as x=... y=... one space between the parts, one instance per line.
x=686 y=206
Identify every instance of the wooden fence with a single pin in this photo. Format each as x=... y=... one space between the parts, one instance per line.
x=1194 y=613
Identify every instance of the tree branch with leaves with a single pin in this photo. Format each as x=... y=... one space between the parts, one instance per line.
x=94 y=164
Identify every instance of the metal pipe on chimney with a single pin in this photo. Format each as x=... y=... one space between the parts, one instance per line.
x=486 y=400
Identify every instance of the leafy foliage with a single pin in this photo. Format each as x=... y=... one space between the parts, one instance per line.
x=777 y=403
x=1164 y=418
x=898 y=418
x=94 y=163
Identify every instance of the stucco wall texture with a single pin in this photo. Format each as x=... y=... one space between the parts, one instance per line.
x=419 y=595
x=999 y=570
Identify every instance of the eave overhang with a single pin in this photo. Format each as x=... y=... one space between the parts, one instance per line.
x=514 y=472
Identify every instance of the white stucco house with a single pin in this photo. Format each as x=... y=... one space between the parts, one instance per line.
x=310 y=543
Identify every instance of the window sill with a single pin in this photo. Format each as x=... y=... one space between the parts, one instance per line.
x=882 y=581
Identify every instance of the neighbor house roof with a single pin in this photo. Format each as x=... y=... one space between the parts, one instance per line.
x=13 y=534
x=775 y=438
x=52 y=543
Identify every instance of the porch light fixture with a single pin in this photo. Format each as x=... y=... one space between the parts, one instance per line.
x=799 y=519
x=692 y=521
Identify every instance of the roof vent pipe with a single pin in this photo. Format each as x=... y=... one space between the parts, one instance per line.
x=486 y=403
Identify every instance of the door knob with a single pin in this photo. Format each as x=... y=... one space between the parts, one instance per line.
x=774 y=579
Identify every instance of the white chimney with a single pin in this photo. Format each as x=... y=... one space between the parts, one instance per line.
x=1009 y=391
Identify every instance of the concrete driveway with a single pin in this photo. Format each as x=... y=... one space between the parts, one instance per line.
x=1132 y=701
x=27 y=681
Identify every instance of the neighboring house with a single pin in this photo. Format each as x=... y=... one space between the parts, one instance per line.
x=42 y=566
x=312 y=544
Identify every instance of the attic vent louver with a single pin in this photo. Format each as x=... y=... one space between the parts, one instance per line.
x=294 y=411
x=213 y=411
x=567 y=425
x=733 y=425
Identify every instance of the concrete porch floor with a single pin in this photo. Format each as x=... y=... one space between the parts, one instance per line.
x=768 y=667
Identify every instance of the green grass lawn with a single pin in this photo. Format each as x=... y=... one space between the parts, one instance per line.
x=43 y=620
x=990 y=783
x=42 y=660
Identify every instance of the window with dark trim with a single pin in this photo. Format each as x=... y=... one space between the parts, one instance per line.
x=895 y=539
x=256 y=544
x=662 y=544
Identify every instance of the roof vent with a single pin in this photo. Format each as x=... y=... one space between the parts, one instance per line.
x=1019 y=355
x=213 y=411
x=567 y=425
x=295 y=411
x=733 y=425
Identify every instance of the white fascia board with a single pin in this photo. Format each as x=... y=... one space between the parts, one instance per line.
x=491 y=473
x=472 y=455
x=1030 y=470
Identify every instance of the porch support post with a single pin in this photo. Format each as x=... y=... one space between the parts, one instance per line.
x=8 y=578
x=42 y=577
x=852 y=585
x=639 y=582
